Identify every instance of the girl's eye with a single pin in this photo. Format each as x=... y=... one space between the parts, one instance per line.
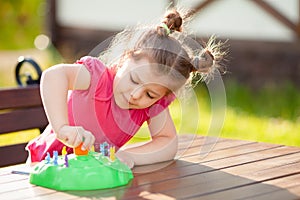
x=151 y=97
x=133 y=81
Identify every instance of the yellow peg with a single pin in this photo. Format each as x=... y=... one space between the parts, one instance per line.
x=64 y=151
x=112 y=153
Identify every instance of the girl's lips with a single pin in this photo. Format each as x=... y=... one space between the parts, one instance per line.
x=132 y=104
x=127 y=101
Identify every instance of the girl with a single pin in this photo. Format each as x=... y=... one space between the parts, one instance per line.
x=111 y=103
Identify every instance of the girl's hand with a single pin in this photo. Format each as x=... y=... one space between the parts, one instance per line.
x=125 y=158
x=73 y=136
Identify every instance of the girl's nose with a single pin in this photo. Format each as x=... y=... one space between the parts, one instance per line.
x=137 y=93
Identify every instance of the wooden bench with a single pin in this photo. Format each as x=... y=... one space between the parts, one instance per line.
x=20 y=109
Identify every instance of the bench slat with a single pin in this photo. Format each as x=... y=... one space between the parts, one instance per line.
x=20 y=109
x=13 y=154
x=20 y=97
x=23 y=119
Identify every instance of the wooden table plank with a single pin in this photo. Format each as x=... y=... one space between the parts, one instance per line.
x=265 y=169
x=195 y=170
x=254 y=174
x=55 y=196
x=253 y=156
x=27 y=192
x=11 y=178
x=253 y=191
x=193 y=152
x=200 y=148
x=200 y=184
x=15 y=186
x=280 y=194
x=231 y=150
x=233 y=168
x=220 y=152
x=185 y=186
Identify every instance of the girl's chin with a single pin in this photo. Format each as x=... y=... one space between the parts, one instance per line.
x=122 y=105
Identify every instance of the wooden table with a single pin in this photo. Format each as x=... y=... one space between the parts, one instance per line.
x=205 y=168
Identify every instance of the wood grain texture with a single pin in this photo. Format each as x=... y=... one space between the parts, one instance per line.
x=233 y=169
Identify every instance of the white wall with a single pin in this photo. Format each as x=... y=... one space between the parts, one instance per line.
x=108 y=14
x=243 y=19
x=240 y=19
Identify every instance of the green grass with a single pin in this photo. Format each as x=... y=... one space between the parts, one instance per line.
x=269 y=114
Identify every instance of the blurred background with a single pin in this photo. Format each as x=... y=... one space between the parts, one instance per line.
x=263 y=78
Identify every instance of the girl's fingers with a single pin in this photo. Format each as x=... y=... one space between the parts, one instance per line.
x=89 y=140
x=78 y=138
x=64 y=138
x=73 y=136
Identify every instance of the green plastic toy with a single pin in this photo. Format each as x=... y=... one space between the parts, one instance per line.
x=80 y=172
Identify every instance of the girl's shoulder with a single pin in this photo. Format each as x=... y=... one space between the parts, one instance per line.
x=93 y=64
x=100 y=78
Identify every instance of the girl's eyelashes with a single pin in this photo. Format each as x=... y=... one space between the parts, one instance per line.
x=135 y=82
x=132 y=80
x=149 y=95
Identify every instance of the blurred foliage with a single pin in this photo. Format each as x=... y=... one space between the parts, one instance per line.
x=274 y=101
x=269 y=114
x=20 y=21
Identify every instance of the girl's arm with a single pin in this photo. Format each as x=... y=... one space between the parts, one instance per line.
x=55 y=83
x=163 y=146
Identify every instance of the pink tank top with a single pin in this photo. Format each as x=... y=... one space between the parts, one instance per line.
x=95 y=110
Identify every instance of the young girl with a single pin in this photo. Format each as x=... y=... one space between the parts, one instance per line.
x=111 y=103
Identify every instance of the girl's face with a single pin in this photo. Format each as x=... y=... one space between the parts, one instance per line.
x=137 y=86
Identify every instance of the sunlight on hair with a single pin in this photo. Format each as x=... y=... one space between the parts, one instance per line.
x=219 y=50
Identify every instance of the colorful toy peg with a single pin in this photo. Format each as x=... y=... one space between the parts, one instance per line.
x=79 y=152
x=93 y=148
x=47 y=158
x=55 y=157
x=104 y=148
x=64 y=151
x=112 y=153
x=66 y=160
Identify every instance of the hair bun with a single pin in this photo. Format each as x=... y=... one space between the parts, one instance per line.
x=204 y=61
x=173 y=21
x=211 y=58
